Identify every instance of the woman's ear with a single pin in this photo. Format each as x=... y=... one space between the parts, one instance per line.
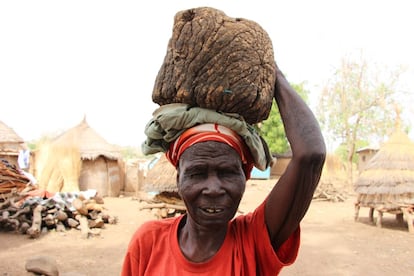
x=177 y=178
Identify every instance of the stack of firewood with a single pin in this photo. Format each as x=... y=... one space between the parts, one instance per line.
x=31 y=213
x=11 y=178
x=328 y=192
x=165 y=205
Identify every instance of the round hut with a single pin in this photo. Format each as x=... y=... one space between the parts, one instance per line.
x=387 y=182
x=161 y=179
x=80 y=159
x=10 y=144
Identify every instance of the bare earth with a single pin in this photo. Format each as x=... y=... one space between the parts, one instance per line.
x=332 y=243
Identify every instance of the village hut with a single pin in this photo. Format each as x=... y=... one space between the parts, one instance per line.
x=79 y=160
x=10 y=144
x=162 y=177
x=364 y=155
x=161 y=180
x=387 y=182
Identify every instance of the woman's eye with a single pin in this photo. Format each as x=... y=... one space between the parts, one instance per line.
x=196 y=175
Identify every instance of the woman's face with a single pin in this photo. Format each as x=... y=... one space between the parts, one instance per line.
x=211 y=182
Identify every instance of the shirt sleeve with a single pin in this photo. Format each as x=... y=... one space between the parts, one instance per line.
x=267 y=258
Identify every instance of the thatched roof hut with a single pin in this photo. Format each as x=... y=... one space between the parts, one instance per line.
x=388 y=178
x=162 y=177
x=10 y=144
x=80 y=159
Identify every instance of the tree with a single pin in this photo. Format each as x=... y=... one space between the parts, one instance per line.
x=275 y=137
x=357 y=105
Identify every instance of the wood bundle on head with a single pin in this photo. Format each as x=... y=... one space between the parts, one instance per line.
x=218 y=62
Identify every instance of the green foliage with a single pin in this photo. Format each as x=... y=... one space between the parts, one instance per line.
x=342 y=151
x=272 y=129
x=358 y=104
x=129 y=152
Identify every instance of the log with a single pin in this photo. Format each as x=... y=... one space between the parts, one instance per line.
x=49 y=220
x=61 y=215
x=35 y=230
x=24 y=227
x=218 y=62
x=78 y=204
x=83 y=222
x=25 y=210
x=163 y=205
x=94 y=206
x=97 y=223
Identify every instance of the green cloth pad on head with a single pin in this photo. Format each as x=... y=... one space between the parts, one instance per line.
x=170 y=120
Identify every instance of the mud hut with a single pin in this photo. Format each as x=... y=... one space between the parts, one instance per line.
x=387 y=182
x=161 y=179
x=80 y=159
x=10 y=144
x=364 y=155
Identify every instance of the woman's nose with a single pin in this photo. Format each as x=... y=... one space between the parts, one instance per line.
x=213 y=186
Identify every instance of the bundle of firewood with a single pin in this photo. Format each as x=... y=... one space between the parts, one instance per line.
x=33 y=215
x=218 y=62
x=11 y=178
x=165 y=205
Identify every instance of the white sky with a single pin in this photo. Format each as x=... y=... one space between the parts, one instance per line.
x=61 y=60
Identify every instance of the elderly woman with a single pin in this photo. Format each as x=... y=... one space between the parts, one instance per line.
x=214 y=155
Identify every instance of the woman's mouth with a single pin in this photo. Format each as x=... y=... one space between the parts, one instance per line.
x=212 y=210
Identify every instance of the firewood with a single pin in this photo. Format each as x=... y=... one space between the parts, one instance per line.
x=163 y=212
x=83 y=222
x=49 y=220
x=163 y=205
x=24 y=227
x=94 y=206
x=77 y=203
x=60 y=227
x=97 y=223
x=35 y=230
x=73 y=223
x=98 y=199
x=218 y=62
x=13 y=223
x=61 y=215
x=4 y=215
x=25 y=210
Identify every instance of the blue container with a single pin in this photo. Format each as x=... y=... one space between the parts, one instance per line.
x=258 y=174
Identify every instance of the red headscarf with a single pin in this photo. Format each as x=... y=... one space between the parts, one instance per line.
x=210 y=132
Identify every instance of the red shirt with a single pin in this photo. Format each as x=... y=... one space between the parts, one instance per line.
x=246 y=250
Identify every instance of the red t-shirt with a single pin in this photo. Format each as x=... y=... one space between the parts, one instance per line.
x=246 y=250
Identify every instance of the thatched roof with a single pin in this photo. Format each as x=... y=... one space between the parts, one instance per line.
x=91 y=144
x=9 y=140
x=8 y=135
x=388 y=177
x=162 y=177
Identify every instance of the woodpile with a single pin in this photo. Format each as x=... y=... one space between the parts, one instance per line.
x=28 y=210
x=328 y=192
x=11 y=178
x=165 y=205
x=218 y=62
x=33 y=215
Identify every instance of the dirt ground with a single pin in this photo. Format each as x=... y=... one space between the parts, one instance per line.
x=332 y=242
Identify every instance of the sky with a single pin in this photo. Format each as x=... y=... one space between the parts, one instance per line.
x=61 y=61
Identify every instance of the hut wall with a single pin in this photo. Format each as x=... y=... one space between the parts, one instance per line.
x=10 y=152
x=364 y=157
x=279 y=168
x=11 y=158
x=114 y=178
x=102 y=175
x=131 y=177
